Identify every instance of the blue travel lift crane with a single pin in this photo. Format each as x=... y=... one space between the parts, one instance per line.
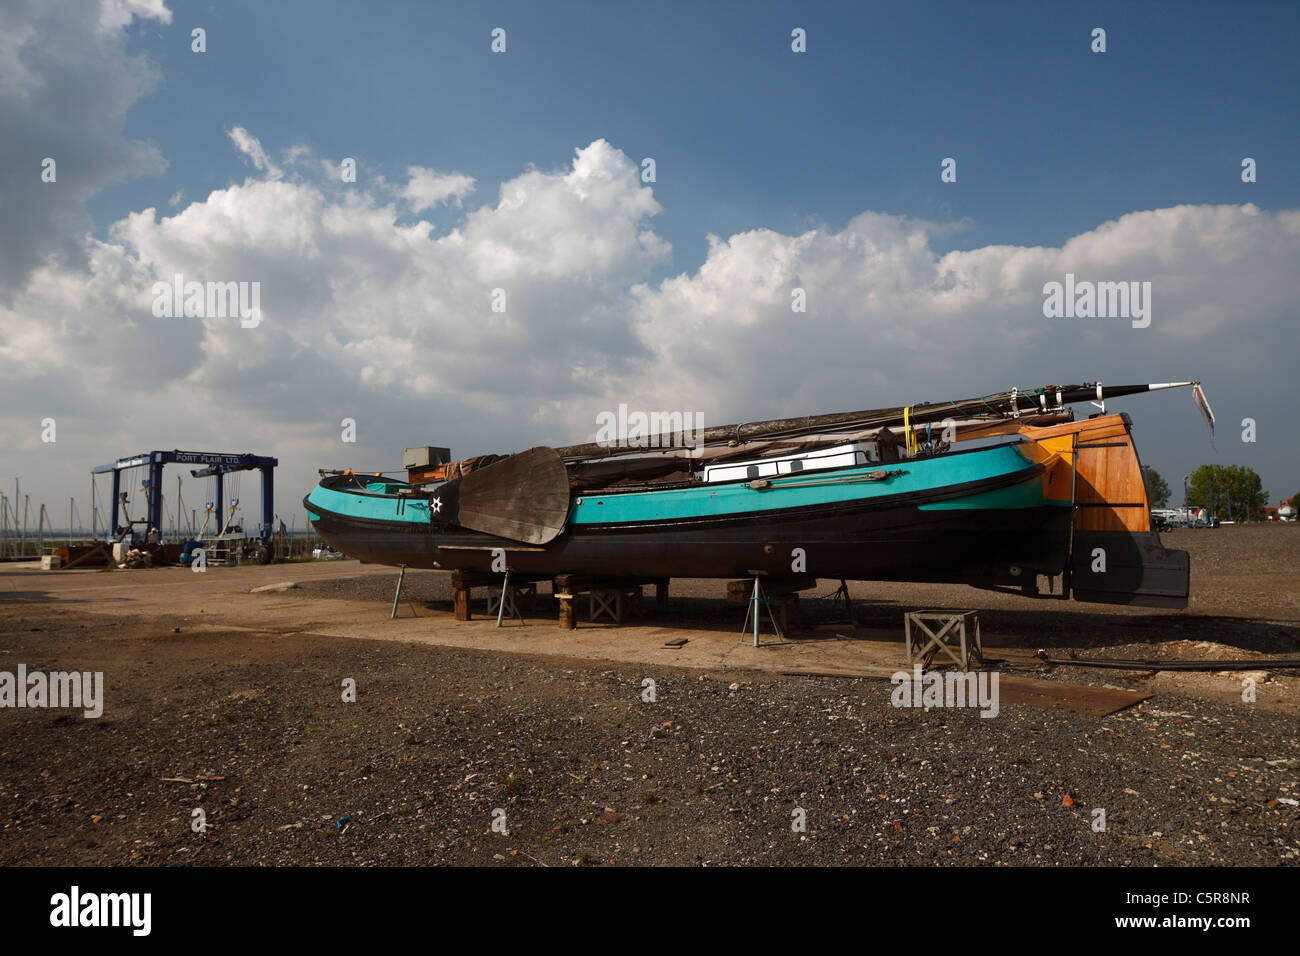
x=218 y=465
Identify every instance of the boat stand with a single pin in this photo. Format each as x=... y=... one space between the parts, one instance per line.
x=842 y=594
x=610 y=597
x=758 y=602
x=613 y=603
x=398 y=596
x=508 y=599
x=962 y=647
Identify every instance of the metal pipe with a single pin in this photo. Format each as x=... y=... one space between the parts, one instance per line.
x=1174 y=665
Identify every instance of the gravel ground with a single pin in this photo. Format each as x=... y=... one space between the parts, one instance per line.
x=576 y=768
x=586 y=771
x=1245 y=605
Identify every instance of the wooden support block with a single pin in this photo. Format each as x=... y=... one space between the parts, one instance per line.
x=461 y=596
x=475 y=579
x=578 y=583
x=568 y=611
x=738 y=592
x=798 y=614
x=661 y=591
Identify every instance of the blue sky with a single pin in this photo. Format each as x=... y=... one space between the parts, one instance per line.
x=816 y=170
x=1050 y=138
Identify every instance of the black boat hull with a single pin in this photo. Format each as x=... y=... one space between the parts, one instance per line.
x=901 y=543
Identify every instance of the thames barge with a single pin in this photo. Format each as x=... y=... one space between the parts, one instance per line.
x=999 y=492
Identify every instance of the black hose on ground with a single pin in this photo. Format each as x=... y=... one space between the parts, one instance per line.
x=1175 y=665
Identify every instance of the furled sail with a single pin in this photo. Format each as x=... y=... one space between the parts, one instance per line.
x=1012 y=403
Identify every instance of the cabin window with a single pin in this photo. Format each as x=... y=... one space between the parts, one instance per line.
x=796 y=465
x=751 y=471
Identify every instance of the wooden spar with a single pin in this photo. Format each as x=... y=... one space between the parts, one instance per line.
x=1012 y=403
x=961 y=430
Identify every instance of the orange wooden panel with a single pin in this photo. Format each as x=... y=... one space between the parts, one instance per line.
x=1104 y=476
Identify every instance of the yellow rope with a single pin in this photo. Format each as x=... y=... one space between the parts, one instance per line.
x=909 y=438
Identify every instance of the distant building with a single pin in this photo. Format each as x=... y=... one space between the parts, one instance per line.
x=1283 y=512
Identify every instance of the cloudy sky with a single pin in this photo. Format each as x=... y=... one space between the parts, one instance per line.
x=525 y=171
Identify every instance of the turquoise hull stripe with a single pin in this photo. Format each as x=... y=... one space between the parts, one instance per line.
x=805 y=490
x=1027 y=494
x=372 y=507
x=789 y=491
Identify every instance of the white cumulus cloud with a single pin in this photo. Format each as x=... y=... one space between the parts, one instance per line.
x=426 y=188
x=66 y=84
x=372 y=317
x=251 y=147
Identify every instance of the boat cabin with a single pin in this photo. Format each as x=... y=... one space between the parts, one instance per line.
x=818 y=459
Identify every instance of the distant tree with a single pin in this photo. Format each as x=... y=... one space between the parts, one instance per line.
x=1229 y=492
x=1157 y=490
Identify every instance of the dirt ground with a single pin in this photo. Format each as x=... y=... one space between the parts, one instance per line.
x=468 y=744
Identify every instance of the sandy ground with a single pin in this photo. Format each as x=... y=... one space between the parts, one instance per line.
x=548 y=733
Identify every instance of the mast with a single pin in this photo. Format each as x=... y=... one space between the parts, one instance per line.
x=1014 y=402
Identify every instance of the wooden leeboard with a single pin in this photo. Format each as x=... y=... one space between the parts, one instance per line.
x=523 y=498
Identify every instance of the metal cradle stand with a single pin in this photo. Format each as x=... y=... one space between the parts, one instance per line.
x=507 y=602
x=759 y=602
x=398 y=596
